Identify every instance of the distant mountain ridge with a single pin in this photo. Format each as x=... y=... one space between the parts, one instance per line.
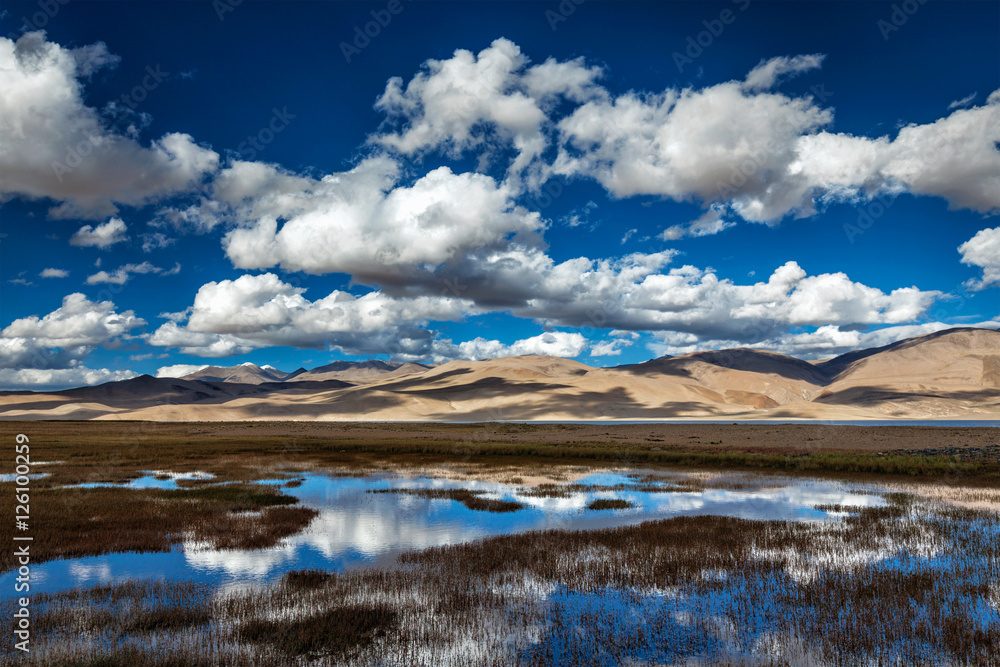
x=246 y=373
x=349 y=371
x=359 y=371
x=952 y=374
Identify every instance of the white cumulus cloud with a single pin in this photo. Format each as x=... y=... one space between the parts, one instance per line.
x=983 y=250
x=63 y=337
x=360 y=222
x=178 y=370
x=443 y=105
x=613 y=346
x=235 y=316
x=551 y=343
x=52 y=145
x=100 y=236
x=40 y=379
x=121 y=275
x=766 y=74
x=717 y=144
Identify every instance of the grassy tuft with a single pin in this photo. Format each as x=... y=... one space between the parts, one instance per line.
x=331 y=633
x=609 y=504
x=471 y=499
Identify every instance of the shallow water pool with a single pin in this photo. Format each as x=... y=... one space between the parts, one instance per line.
x=360 y=524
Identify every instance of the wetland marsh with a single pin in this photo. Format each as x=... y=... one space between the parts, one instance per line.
x=228 y=557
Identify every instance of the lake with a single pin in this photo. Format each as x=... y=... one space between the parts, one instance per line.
x=357 y=528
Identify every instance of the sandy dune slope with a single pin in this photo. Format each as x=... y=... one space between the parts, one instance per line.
x=948 y=375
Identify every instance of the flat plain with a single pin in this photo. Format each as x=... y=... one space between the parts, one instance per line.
x=919 y=559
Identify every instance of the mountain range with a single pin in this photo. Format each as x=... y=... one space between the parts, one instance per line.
x=347 y=371
x=952 y=374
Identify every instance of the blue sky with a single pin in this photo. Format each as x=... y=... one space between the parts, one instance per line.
x=611 y=183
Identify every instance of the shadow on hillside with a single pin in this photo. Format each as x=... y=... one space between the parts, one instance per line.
x=360 y=402
x=748 y=361
x=838 y=365
x=44 y=404
x=305 y=386
x=876 y=395
x=657 y=367
x=401 y=385
x=483 y=388
x=616 y=403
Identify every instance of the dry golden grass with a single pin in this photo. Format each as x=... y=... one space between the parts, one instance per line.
x=119 y=451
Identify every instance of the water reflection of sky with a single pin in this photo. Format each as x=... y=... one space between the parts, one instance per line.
x=153 y=479
x=12 y=477
x=356 y=528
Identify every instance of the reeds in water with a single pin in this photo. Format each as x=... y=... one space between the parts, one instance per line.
x=910 y=583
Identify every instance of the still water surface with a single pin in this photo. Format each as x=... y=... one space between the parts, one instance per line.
x=356 y=528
